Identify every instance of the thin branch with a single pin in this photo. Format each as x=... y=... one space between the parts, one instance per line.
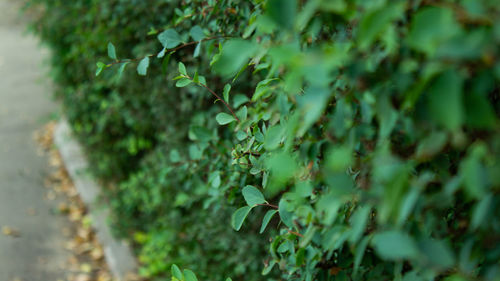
x=170 y=50
x=217 y=96
x=268 y=205
x=294 y=233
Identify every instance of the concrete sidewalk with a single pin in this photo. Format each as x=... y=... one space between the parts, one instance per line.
x=37 y=254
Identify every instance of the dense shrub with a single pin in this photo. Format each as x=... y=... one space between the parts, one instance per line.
x=368 y=131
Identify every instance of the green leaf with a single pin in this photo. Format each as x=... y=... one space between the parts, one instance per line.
x=196 y=78
x=437 y=253
x=197 y=50
x=480 y=113
x=189 y=275
x=121 y=69
x=273 y=137
x=394 y=245
x=360 y=252
x=169 y=38
x=183 y=82
x=242 y=114
x=175 y=157
x=481 y=212
x=224 y=118
x=283 y=167
x=241 y=135
x=312 y=104
x=253 y=196
x=182 y=69
x=227 y=88
x=239 y=217
x=430 y=27
x=375 y=23
x=235 y=53
x=176 y=272
x=431 y=145
x=239 y=99
x=111 y=51
x=200 y=133
x=283 y=12
x=285 y=215
x=359 y=221
x=142 y=68
x=100 y=67
x=339 y=158
x=267 y=218
x=445 y=102
x=161 y=54
x=196 y=33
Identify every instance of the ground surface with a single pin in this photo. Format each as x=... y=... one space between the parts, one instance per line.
x=31 y=241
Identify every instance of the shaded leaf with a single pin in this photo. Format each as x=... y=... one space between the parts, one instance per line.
x=224 y=118
x=267 y=218
x=253 y=196
x=142 y=68
x=239 y=217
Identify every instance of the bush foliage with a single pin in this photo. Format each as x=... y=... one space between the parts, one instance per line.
x=361 y=138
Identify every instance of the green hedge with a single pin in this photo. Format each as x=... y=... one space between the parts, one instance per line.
x=366 y=133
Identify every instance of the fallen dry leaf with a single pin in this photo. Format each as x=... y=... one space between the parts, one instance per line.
x=87 y=261
x=9 y=231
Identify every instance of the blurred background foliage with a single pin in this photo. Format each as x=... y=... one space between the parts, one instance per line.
x=366 y=133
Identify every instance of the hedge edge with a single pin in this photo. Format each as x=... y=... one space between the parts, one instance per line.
x=118 y=254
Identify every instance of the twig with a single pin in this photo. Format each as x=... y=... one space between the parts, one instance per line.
x=217 y=96
x=169 y=50
x=268 y=205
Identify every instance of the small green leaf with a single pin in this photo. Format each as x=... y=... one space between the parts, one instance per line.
x=239 y=99
x=182 y=69
x=175 y=156
x=197 y=50
x=267 y=218
x=394 y=245
x=196 y=33
x=253 y=196
x=445 y=102
x=481 y=212
x=431 y=145
x=227 y=88
x=100 y=67
x=235 y=54
x=283 y=12
x=273 y=137
x=358 y=221
x=430 y=27
x=161 y=54
x=189 y=275
x=438 y=253
x=111 y=51
x=121 y=69
x=183 y=82
x=241 y=135
x=360 y=252
x=239 y=217
x=176 y=272
x=169 y=38
x=196 y=78
x=224 y=118
x=242 y=113
x=285 y=215
x=142 y=68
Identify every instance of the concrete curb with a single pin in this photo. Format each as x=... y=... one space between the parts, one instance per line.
x=118 y=254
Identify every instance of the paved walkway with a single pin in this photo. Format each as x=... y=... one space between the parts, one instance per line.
x=38 y=253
